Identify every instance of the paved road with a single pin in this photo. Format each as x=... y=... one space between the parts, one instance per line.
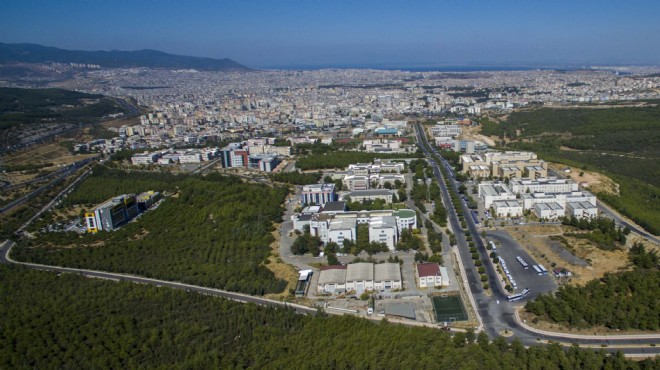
x=61 y=175
x=496 y=313
x=6 y=247
x=508 y=250
x=608 y=212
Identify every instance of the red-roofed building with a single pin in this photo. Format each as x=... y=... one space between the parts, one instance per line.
x=428 y=275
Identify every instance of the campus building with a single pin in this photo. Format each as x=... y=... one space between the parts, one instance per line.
x=111 y=214
x=542 y=185
x=359 y=277
x=490 y=192
x=318 y=194
x=370 y=195
x=337 y=226
x=431 y=275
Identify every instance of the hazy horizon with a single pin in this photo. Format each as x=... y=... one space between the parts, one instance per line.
x=339 y=34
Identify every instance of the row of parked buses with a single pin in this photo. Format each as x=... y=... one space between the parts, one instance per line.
x=519 y=296
x=540 y=270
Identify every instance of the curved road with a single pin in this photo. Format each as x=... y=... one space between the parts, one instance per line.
x=6 y=247
x=608 y=212
x=498 y=315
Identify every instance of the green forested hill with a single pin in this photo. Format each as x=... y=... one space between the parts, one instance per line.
x=34 y=53
x=67 y=321
x=33 y=106
x=622 y=300
x=213 y=231
x=622 y=143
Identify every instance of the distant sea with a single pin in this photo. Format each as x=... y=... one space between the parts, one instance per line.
x=440 y=68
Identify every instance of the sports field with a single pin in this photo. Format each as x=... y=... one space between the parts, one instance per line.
x=449 y=309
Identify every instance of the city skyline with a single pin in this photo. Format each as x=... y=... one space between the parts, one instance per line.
x=387 y=34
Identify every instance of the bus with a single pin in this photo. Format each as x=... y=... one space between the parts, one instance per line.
x=543 y=270
x=537 y=269
x=514 y=297
x=522 y=262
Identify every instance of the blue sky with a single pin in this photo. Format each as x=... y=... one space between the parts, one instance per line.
x=280 y=33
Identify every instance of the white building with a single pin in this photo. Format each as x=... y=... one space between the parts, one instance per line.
x=382 y=146
x=529 y=200
x=581 y=210
x=332 y=279
x=339 y=225
x=190 y=157
x=318 y=194
x=490 y=192
x=360 y=277
x=144 y=158
x=341 y=229
x=371 y=195
x=356 y=182
x=542 y=185
x=383 y=229
x=507 y=208
x=548 y=211
x=446 y=130
x=428 y=275
x=387 y=276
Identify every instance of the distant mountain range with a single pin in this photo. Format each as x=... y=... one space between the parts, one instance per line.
x=33 y=53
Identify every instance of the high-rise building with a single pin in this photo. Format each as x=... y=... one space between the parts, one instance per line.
x=112 y=214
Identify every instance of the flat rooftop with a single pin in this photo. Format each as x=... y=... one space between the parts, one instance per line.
x=552 y=206
x=334 y=206
x=506 y=203
x=368 y=193
x=319 y=188
x=362 y=271
x=581 y=205
x=387 y=272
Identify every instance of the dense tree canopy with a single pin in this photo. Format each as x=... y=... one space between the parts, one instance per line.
x=67 y=321
x=214 y=231
x=624 y=300
x=621 y=142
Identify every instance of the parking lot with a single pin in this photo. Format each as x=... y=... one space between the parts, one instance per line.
x=508 y=250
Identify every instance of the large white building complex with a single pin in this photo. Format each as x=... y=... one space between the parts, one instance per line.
x=547 y=198
x=333 y=224
x=490 y=192
x=359 y=277
x=504 y=165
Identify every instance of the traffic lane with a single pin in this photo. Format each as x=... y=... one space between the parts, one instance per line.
x=508 y=250
x=173 y=285
x=239 y=297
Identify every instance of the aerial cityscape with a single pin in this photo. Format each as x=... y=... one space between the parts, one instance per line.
x=330 y=185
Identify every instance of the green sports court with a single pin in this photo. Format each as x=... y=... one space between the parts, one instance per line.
x=449 y=309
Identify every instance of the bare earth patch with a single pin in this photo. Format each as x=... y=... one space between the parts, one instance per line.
x=593 y=181
x=46 y=153
x=528 y=319
x=535 y=239
x=281 y=270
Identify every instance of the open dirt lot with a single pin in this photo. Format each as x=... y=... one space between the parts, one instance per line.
x=46 y=153
x=473 y=133
x=281 y=269
x=583 y=259
x=596 y=330
x=593 y=181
